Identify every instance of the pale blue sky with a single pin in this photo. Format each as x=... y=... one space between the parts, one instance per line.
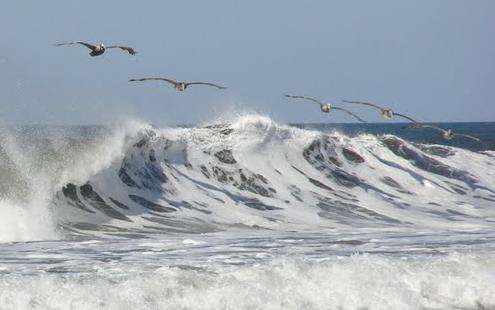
x=410 y=55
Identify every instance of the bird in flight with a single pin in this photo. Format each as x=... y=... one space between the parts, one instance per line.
x=179 y=86
x=386 y=113
x=99 y=49
x=448 y=134
x=326 y=107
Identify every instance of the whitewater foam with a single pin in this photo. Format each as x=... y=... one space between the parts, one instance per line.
x=356 y=282
x=242 y=214
x=25 y=213
x=251 y=173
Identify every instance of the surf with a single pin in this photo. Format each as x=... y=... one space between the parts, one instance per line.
x=252 y=173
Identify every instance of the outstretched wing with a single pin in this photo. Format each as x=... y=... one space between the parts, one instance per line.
x=468 y=136
x=154 y=79
x=427 y=126
x=404 y=116
x=130 y=50
x=305 y=98
x=350 y=113
x=365 y=103
x=206 y=83
x=90 y=46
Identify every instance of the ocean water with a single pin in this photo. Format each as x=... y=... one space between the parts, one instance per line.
x=247 y=214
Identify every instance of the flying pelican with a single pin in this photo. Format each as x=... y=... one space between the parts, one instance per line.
x=326 y=107
x=448 y=134
x=179 y=86
x=98 y=49
x=386 y=113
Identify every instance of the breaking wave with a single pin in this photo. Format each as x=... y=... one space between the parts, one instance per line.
x=247 y=174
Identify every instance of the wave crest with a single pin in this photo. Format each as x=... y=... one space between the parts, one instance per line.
x=252 y=173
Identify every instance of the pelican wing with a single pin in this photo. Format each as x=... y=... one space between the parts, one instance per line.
x=467 y=136
x=428 y=126
x=350 y=113
x=305 y=98
x=90 y=46
x=365 y=103
x=404 y=116
x=154 y=79
x=205 y=83
x=130 y=50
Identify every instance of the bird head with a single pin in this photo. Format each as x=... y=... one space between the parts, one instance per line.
x=387 y=113
x=325 y=108
x=448 y=134
x=181 y=86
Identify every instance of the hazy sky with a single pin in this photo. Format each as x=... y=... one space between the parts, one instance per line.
x=431 y=59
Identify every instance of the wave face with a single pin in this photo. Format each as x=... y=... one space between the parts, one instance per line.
x=247 y=174
x=244 y=214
